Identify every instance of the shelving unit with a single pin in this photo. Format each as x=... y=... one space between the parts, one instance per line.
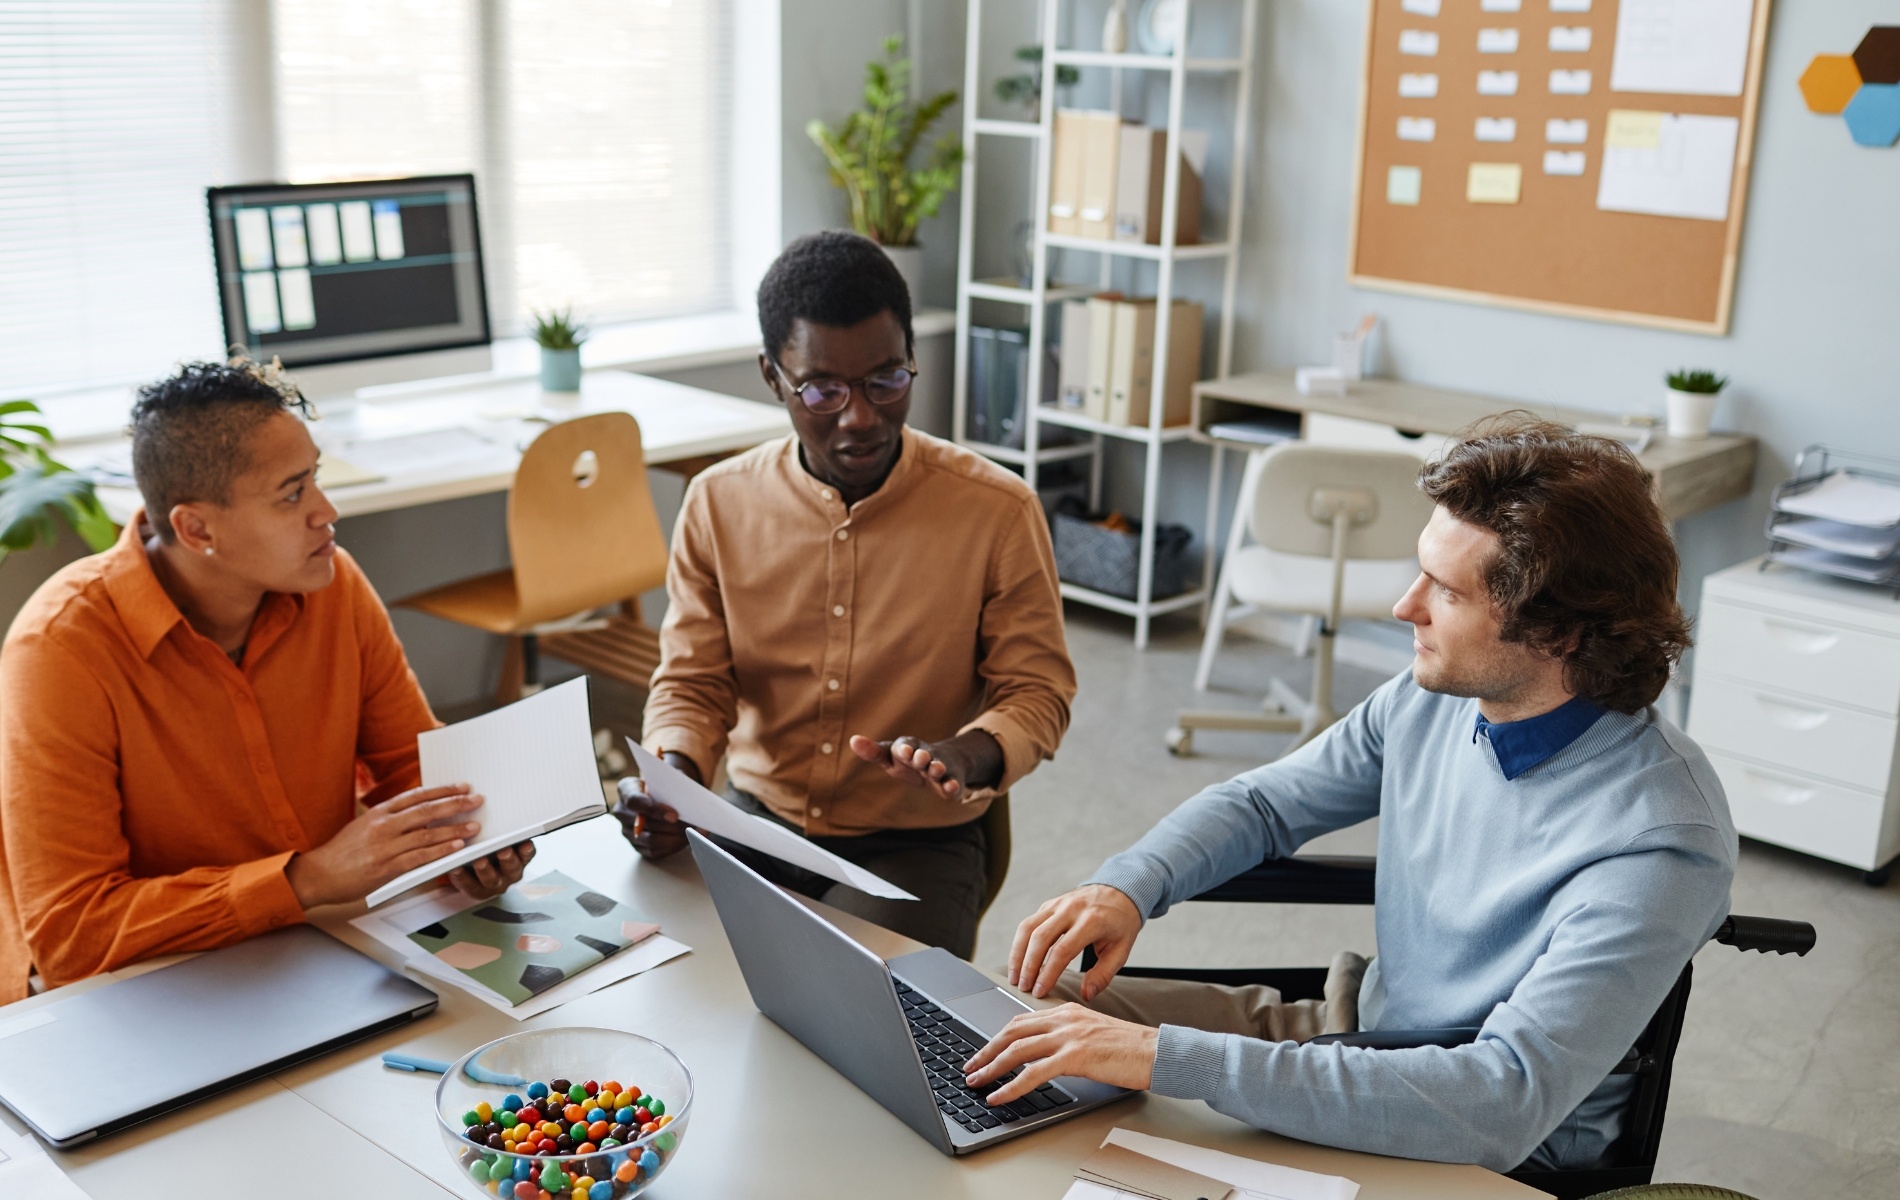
x=1040 y=295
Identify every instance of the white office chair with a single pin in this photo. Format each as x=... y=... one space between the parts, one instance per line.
x=1336 y=535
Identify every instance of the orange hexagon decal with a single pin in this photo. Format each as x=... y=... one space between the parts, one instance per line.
x=1830 y=82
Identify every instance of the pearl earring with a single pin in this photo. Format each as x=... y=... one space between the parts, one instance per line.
x=209 y=550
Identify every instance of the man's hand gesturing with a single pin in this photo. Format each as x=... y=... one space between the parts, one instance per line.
x=1049 y=939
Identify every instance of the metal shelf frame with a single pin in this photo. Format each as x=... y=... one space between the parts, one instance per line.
x=1038 y=297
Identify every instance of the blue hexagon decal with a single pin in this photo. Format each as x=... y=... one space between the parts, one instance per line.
x=1873 y=115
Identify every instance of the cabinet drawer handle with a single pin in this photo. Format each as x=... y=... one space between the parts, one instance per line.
x=1802 y=639
x=1781 y=791
x=1797 y=717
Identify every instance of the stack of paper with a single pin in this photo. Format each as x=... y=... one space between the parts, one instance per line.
x=27 y=1170
x=1135 y=1166
x=1846 y=525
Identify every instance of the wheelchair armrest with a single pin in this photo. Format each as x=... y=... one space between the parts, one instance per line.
x=1400 y=1039
x=1766 y=933
x=1318 y=879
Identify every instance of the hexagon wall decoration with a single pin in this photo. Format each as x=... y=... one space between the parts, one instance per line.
x=1863 y=87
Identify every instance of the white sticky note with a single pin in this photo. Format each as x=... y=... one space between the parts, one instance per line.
x=1418 y=41
x=1687 y=172
x=1497 y=129
x=293 y=290
x=1695 y=47
x=260 y=302
x=1421 y=8
x=1418 y=87
x=1494 y=183
x=1501 y=5
x=1497 y=83
x=386 y=215
x=1569 y=6
x=1403 y=184
x=286 y=235
x=1563 y=162
x=1572 y=132
x=1497 y=41
x=326 y=241
x=1417 y=129
x=253 y=239
x=1570 y=83
x=359 y=236
x=1570 y=39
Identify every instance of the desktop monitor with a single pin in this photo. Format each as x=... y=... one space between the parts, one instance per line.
x=339 y=272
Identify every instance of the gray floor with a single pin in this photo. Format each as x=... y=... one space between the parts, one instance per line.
x=1785 y=1083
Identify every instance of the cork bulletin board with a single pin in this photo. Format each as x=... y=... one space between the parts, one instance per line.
x=1564 y=156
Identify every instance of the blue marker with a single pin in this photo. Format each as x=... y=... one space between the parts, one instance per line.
x=480 y=1074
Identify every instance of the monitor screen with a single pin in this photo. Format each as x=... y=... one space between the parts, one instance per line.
x=318 y=273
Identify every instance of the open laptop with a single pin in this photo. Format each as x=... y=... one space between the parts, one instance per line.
x=176 y=1035
x=900 y=1030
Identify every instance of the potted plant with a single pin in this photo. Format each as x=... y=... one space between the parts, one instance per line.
x=869 y=156
x=560 y=341
x=35 y=489
x=1026 y=89
x=1692 y=396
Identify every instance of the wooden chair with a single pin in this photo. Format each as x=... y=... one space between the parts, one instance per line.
x=583 y=535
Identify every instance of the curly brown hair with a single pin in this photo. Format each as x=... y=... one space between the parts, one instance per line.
x=1585 y=568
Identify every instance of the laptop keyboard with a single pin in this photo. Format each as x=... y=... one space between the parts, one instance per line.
x=945 y=1044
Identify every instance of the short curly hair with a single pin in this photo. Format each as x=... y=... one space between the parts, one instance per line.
x=191 y=431
x=832 y=278
x=1585 y=568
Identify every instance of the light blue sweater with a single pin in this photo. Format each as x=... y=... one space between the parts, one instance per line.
x=1555 y=910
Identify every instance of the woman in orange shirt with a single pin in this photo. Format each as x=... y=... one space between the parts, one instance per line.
x=190 y=720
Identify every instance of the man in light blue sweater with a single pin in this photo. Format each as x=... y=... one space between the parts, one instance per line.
x=1551 y=851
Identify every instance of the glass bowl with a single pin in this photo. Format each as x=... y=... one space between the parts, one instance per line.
x=516 y=1067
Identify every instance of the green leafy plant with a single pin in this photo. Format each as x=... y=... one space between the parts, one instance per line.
x=1705 y=383
x=1026 y=89
x=870 y=153
x=556 y=330
x=35 y=488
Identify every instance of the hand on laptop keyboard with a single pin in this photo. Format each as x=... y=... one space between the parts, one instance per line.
x=1066 y=1041
x=945 y=1044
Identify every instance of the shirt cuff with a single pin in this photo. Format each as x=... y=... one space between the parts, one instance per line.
x=1020 y=754
x=1144 y=885
x=683 y=739
x=261 y=896
x=1190 y=1064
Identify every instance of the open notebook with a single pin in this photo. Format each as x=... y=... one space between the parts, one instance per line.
x=531 y=762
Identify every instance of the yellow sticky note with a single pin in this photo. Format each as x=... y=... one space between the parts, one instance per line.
x=1494 y=183
x=1633 y=129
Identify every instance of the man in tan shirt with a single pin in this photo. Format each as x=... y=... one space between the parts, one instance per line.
x=865 y=620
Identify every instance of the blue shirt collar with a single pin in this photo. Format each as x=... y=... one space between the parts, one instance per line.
x=1521 y=745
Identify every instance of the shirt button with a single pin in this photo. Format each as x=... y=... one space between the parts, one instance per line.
x=816 y=811
x=843 y=534
x=825 y=749
x=833 y=685
x=837 y=610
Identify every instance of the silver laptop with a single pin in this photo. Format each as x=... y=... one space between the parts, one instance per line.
x=900 y=1030
x=173 y=1036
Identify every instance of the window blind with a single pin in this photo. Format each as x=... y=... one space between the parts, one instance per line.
x=114 y=117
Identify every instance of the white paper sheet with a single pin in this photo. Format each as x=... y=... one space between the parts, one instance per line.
x=1686 y=172
x=1564 y=162
x=1569 y=39
x=1418 y=41
x=392 y=926
x=1420 y=8
x=415 y=453
x=1417 y=129
x=1855 y=541
x=1256 y=1180
x=1501 y=5
x=700 y=808
x=1694 y=47
x=1497 y=129
x=1497 y=41
x=531 y=762
x=1569 y=6
x=1573 y=131
x=26 y=1170
x=1570 y=83
x=1849 y=499
x=1497 y=83
x=1418 y=87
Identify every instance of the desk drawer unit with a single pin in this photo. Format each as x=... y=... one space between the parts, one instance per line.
x=1797 y=703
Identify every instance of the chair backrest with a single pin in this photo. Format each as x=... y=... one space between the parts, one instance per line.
x=581 y=524
x=1298 y=486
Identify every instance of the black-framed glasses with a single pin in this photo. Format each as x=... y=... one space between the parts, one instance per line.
x=824 y=396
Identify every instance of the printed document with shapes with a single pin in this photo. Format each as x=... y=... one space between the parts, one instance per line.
x=531 y=762
x=709 y=814
x=1250 y=1178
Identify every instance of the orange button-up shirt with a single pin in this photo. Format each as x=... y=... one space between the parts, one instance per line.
x=928 y=608
x=152 y=790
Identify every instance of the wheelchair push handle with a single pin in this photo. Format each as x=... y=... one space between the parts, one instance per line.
x=1764 y=934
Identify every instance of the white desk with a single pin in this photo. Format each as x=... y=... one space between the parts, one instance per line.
x=769 y=1118
x=454 y=440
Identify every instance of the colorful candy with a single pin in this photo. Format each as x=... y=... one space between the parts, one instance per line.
x=562 y=1140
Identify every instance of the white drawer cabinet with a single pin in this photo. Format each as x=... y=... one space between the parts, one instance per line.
x=1796 y=700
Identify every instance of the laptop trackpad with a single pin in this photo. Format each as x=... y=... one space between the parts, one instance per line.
x=987 y=1012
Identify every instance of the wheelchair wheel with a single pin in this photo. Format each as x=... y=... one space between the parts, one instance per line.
x=1671 y=1191
x=1180 y=742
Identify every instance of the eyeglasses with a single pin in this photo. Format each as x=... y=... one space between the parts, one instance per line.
x=831 y=395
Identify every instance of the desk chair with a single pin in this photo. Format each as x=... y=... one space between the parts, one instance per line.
x=1336 y=532
x=1350 y=879
x=583 y=535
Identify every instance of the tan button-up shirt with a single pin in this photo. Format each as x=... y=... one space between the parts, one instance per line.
x=929 y=608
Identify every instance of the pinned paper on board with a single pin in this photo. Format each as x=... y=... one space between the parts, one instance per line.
x=1497 y=41
x=1417 y=129
x=1668 y=164
x=1418 y=87
x=1497 y=83
x=1403 y=185
x=1570 y=6
x=1570 y=39
x=1570 y=83
x=1422 y=42
x=1693 y=47
x=1497 y=129
x=1573 y=131
x=1494 y=183
x=1420 y=8
x=1501 y=5
x=1563 y=162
